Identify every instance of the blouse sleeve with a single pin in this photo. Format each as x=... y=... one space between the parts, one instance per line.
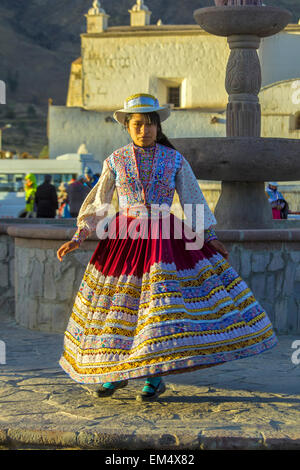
x=189 y=192
x=93 y=208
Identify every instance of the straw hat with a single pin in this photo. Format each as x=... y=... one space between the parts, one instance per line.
x=141 y=103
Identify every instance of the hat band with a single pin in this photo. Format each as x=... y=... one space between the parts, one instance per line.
x=140 y=102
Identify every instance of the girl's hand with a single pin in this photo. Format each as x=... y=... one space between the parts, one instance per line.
x=219 y=247
x=66 y=248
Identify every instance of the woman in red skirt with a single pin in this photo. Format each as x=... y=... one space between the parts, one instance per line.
x=158 y=296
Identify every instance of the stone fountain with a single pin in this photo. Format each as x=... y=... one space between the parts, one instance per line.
x=243 y=161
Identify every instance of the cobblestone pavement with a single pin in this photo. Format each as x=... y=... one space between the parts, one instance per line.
x=253 y=403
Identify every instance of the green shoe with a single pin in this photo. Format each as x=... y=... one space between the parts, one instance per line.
x=111 y=387
x=150 y=392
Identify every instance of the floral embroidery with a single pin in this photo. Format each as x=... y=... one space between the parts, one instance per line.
x=142 y=176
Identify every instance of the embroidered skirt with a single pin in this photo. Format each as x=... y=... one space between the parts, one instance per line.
x=148 y=306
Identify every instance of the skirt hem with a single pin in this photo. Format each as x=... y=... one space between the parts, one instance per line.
x=170 y=367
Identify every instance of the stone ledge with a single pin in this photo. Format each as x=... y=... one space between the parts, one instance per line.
x=18 y=438
x=52 y=244
x=50 y=232
x=282 y=235
x=54 y=232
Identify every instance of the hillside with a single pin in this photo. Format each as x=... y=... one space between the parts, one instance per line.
x=40 y=38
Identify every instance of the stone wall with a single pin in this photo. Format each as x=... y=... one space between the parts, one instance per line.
x=45 y=289
x=272 y=271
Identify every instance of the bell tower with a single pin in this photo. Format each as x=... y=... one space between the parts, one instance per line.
x=97 y=19
x=139 y=14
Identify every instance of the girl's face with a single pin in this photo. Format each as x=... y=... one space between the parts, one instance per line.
x=142 y=133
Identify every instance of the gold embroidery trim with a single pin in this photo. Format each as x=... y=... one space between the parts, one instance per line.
x=161 y=339
x=159 y=359
x=168 y=316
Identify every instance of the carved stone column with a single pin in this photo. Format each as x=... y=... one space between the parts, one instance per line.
x=243 y=83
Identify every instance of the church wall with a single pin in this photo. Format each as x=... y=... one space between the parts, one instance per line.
x=281 y=97
x=278 y=127
x=74 y=97
x=70 y=127
x=280 y=103
x=279 y=57
x=116 y=67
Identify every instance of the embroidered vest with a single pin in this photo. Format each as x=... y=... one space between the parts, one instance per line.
x=161 y=186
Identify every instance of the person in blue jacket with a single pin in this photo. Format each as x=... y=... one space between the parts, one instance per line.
x=90 y=178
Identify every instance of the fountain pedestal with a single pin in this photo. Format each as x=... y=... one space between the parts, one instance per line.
x=243 y=204
x=243 y=82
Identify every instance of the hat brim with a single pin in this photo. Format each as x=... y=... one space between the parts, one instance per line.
x=163 y=112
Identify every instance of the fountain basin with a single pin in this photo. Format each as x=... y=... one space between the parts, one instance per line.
x=252 y=159
x=230 y=20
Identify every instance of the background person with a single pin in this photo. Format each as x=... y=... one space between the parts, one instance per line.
x=90 y=178
x=30 y=187
x=77 y=192
x=73 y=178
x=63 y=204
x=280 y=207
x=46 y=199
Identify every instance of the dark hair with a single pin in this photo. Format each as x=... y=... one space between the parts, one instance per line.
x=153 y=118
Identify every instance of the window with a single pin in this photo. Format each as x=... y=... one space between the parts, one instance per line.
x=10 y=182
x=171 y=91
x=174 y=96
